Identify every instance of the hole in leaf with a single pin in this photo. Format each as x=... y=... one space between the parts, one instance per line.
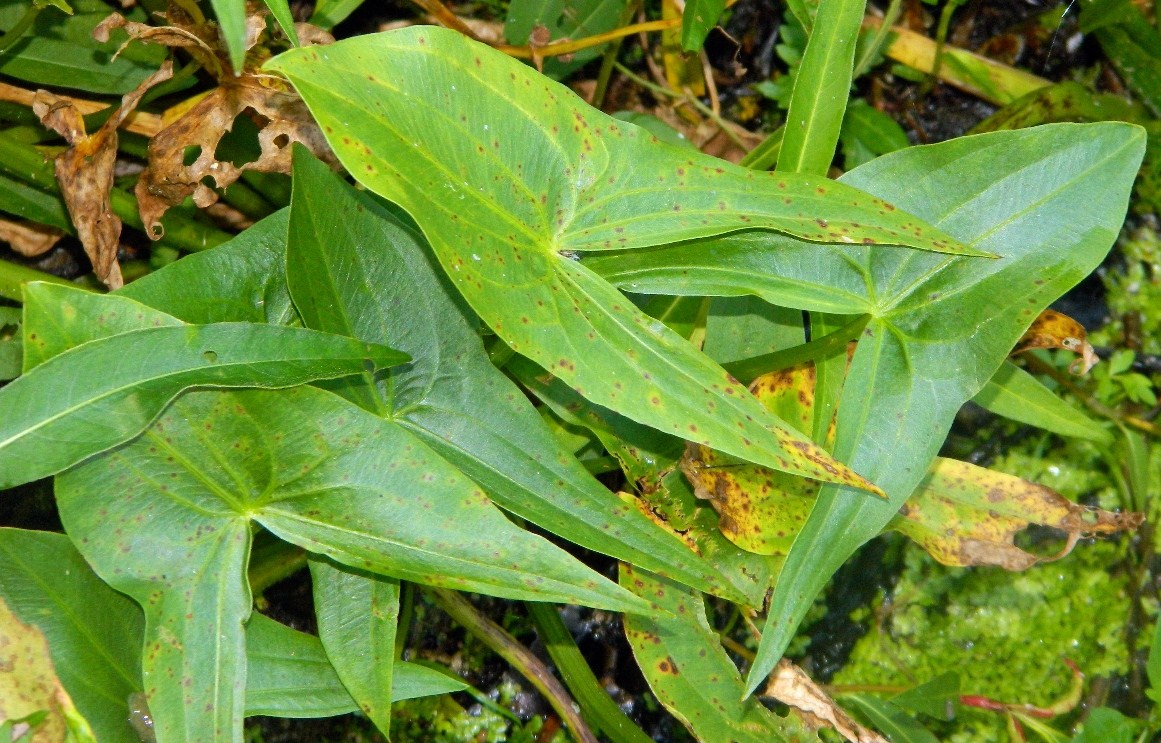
x=240 y=144
x=210 y=356
x=190 y=155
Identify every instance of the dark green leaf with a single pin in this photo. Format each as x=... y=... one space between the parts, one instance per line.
x=888 y=719
x=562 y=19
x=357 y=615
x=231 y=15
x=935 y=698
x=280 y=9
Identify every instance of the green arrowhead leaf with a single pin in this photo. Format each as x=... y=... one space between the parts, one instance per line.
x=351 y=266
x=1048 y=200
x=509 y=174
x=87 y=399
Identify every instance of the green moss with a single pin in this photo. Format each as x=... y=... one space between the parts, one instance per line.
x=1136 y=288
x=442 y=720
x=1006 y=634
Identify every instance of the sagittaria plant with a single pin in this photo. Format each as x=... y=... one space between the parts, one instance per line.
x=322 y=380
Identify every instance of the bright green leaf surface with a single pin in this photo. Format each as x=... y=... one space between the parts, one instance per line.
x=280 y=9
x=690 y=672
x=1048 y=200
x=93 y=632
x=508 y=173
x=1015 y=394
x=352 y=267
x=231 y=15
x=697 y=20
x=63 y=410
x=357 y=615
x=821 y=88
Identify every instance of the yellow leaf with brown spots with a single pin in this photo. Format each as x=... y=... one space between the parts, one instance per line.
x=967 y=515
x=28 y=681
x=1053 y=329
x=759 y=509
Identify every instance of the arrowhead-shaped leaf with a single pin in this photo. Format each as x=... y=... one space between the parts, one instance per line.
x=1048 y=200
x=355 y=269
x=509 y=174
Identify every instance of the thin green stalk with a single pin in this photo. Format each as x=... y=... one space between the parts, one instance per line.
x=13 y=277
x=599 y=707
x=941 y=36
x=610 y=56
x=520 y=657
x=749 y=369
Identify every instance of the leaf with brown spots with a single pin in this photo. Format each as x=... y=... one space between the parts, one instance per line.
x=760 y=510
x=1050 y=201
x=1052 y=329
x=29 y=684
x=967 y=515
x=85 y=172
x=690 y=673
x=509 y=175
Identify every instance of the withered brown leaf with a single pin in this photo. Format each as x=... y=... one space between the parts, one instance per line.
x=85 y=172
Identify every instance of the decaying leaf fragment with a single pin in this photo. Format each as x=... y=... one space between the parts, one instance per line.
x=85 y=172
x=790 y=685
x=967 y=515
x=1053 y=329
x=29 y=239
x=282 y=118
x=279 y=114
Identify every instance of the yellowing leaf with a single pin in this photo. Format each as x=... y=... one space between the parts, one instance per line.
x=1053 y=329
x=967 y=515
x=28 y=682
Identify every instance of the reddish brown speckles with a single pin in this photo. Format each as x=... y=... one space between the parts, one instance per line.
x=868 y=241
x=820 y=191
x=821 y=223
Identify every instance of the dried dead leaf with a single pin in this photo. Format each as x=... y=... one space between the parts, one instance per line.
x=29 y=239
x=85 y=172
x=791 y=686
x=282 y=118
x=967 y=515
x=1056 y=330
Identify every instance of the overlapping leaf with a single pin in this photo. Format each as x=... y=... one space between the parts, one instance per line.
x=508 y=174
x=88 y=399
x=1048 y=200
x=355 y=269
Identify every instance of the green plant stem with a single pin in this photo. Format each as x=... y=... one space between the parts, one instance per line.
x=606 y=716
x=609 y=59
x=25 y=163
x=273 y=562
x=704 y=110
x=521 y=658
x=749 y=369
x=21 y=26
x=1036 y=366
x=13 y=277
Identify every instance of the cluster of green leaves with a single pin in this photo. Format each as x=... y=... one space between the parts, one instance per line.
x=322 y=379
